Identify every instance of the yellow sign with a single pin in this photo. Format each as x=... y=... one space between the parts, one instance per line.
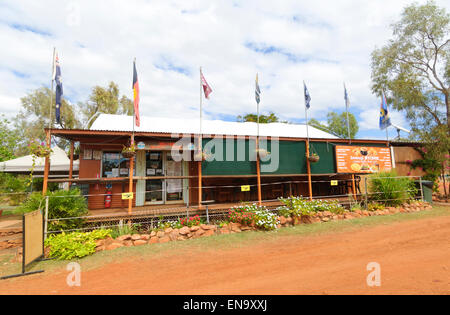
x=128 y=195
x=245 y=188
x=334 y=183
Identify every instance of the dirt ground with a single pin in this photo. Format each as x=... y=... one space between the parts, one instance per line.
x=414 y=257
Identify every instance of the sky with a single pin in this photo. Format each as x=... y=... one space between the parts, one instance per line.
x=323 y=43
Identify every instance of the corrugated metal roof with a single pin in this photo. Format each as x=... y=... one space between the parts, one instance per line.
x=209 y=127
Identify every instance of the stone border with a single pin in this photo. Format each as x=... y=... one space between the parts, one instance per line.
x=204 y=230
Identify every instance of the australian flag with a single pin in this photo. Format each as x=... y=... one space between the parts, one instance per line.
x=385 y=121
x=59 y=88
x=307 y=96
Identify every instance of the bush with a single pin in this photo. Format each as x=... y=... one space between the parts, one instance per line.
x=298 y=206
x=388 y=188
x=61 y=204
x=253 y=214
x=74 y=245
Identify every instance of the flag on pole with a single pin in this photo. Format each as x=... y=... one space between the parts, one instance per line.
x=59 y=87
x=307 y=96
x=206 y=88
x=347 y=100
x=257 y=90
x=136 y=95
x=385 y=121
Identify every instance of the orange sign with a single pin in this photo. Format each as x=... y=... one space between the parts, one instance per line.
x=356 y=159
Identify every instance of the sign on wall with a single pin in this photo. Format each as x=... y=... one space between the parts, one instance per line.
x=362 y=159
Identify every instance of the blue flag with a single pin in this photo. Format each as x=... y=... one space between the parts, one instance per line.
x=257 y=90
x=347 y=101
x=307 y=96
x=59 y=88
x=385 y=121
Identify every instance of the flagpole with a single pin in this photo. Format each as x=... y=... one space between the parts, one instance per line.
x=48 y=137
x=308 y=165
x=258 y=168
x=200 y=148
x=346 y=109
x=130 y=175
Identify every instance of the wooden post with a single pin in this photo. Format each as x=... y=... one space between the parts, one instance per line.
x=71 y=162
x=47 y=163
x=354 y=187
x=258 y=173
x=308 y=167
x=130 y=186
x=199 y=184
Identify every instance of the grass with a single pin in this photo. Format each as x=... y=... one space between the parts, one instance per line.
x=221 y=242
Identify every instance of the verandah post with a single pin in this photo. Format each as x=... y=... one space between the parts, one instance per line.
x=71 y=162
x=308 y=167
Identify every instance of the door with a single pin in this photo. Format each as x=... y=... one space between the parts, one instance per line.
x=174 y=187
x=154 y=188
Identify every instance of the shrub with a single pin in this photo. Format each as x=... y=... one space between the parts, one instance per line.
x=253 y=214
x=61 y=204
x=266 y=220
x=390 y=189
x=374 y=206
x=191 y=221
x=298 y=206
x=74 y=245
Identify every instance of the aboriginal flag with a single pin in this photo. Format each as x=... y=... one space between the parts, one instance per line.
x=136 y=95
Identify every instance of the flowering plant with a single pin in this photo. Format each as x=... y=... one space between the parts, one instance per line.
x=191 y=221
x=253 y=214
x=129 y=151
x=38 y=149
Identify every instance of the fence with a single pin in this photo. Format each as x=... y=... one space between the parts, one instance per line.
x=152 y=218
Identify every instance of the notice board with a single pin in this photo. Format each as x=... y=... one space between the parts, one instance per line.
x=362 y=159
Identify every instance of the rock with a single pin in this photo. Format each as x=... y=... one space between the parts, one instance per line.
x=135 y=237
x=139 y=242
x=168 y=230
x=181 y=238
x=153 y=233
x=209 y=233
x=153 y=240
x=357 y=211
x=199 y=232
x=184 y=230
x=325 y=219
x=335 y=217
x=173 y=236
x=224 y=230
x=282 y=220
x=128 y=243
x=327 y=213
x=289 y=220
x=99 y=243
x=114 y=246
x=124 y=237
x=209 y=227
x=164 y=239
x=245 y=228
x=145 y=237
x=194 y=228
x=160 y=234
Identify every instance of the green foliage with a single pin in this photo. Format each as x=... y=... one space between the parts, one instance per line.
x=374 y=206
x=125 y=229
x=298 y=206
x=388 y=188
x=14 y=188
x=61 y=204
x=253 y=214
x=413 y=68
x=8 y=140
x=263 y=119
x=106 y=100
x=74 y=245
x=337 y=124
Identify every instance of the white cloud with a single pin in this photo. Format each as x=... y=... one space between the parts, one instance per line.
x=97 y=41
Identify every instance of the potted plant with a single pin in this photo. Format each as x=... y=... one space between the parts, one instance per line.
x=262 y=153
x=313 y=158
x=201 y=156
x=39 y=149
x=129 y=151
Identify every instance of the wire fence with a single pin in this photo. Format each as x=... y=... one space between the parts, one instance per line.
x=151 y=218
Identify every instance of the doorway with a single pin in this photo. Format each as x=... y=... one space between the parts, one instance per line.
x=162 y=191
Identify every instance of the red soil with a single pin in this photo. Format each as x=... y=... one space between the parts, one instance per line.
x=414 y=258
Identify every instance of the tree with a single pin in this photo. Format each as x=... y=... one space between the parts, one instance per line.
x=263 y=119
x=35 y=116
x=337 y=124
x=8 y=140
x=106 y=101
x=414 y=67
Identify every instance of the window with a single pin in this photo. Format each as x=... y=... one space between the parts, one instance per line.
x=115 y=165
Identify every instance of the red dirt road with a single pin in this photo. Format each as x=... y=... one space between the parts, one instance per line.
x=414 y=257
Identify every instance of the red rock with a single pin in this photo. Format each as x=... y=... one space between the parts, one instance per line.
x=184 y=230
x=145 y=237
x=160 y=234
x=164 y=239
x=153 y=240
x=153 y=233
x=289 y=220
x=168 y=230
x=135 y=237
x=128 y=243
x=114 y=246
x=282 y=219
x=194 y=228
x=124 y=237
x=209 y=233
x=224 y=231
x=139 y=242
x=199 y=232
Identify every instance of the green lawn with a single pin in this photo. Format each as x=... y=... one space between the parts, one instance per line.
x=223 y=241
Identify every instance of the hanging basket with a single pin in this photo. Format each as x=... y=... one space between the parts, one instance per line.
x=42 y=152
x=313 y=158
x=128 y=154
